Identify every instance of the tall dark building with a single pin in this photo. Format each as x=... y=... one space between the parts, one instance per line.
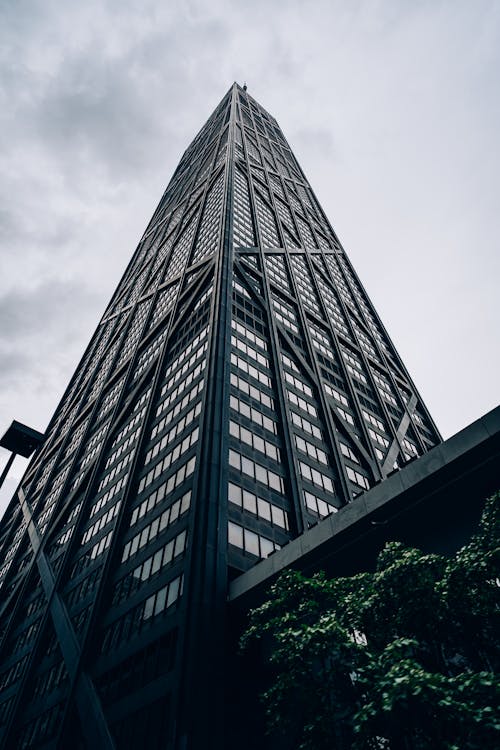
x=239 y=387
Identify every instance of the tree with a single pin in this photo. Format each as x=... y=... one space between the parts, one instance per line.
x=406 y=657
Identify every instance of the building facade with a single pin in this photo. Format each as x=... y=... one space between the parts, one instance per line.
x=239 y=388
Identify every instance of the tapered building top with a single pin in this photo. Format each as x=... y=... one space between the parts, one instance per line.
x=239 y=387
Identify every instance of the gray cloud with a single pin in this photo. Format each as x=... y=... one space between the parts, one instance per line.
x=27 y=312
x=393 y=112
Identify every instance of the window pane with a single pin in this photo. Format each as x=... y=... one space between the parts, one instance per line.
x=266 y=547
x=173 y=591
x=249 y=501
x=251 y=542
x=264 y=509
x=234 y=493
x=160 y=600
x=235 y=535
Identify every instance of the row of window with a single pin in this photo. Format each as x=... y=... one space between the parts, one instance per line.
x=358 y=478
x=148 y=355
x=50 y=679
x=336 y=394
x=134 y=331
x=303 y=424
x=243 y=330
x=122 y=448
x=13 y=673
x=101 y=377
x=255 y=471
x=87 y=585
x=107 y=496
x=321 y=342
x=176 y=430
x=26 y=636
x=345 y=415
x=240 y=288
x=91 y=555
x=378 y=438
x=348 y=452
x=286 y=316
x=253 y=414
x=173 y=395
x=333 y=308
x=318 y=506
x=248 y=501
x=250 y=352
x=373 y=420
x=179 y=255
x=311 y=450
x=40 y=728
x=249 y=369
x=139 y=413
x=254 y=441
x=164 y=302
x=249 y=541
x=298 y=384
x=316 y=477
x=410 y=447
x=250 y=390
x=93 y=447
x=155 y=498
x=163 y=599
x=356 y=373
x=159 y=524
x=101 y=522
x=165 y=463
x=302 y=404
x=243 y=226
x=277 y=272
x=110 y=400
x=119 y=467
x=304 y=284
x=208 y=234
x=76 y=436
x=132 y=622
x=180 y=358
x=128 y=585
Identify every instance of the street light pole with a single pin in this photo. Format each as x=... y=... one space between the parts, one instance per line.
x=19 y=440
x=7 y=468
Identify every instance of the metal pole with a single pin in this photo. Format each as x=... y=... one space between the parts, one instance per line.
x=7 y=468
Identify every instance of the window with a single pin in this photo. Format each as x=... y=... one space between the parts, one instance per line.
x=250 y=390
x=256 y=471
x=153 y=529
x=249 y=541
x=304 y=424
x=162 y=599
x=318 y=506
x=254 y=441
x=312 y=451
x=253 y=414
x=348 y=452
x=316 y=477
x=261 y=508
x=358 y=478
x=165 y=463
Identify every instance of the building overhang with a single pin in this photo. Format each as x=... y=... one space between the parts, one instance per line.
x=433 y=503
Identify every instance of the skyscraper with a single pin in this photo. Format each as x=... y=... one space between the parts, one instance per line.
x=239 y=387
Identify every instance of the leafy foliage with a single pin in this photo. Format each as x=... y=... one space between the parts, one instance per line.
x=405 y=657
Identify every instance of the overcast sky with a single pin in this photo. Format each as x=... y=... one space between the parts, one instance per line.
x=392 y=108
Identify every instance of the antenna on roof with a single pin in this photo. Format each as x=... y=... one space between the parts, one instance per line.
x=245 y=86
